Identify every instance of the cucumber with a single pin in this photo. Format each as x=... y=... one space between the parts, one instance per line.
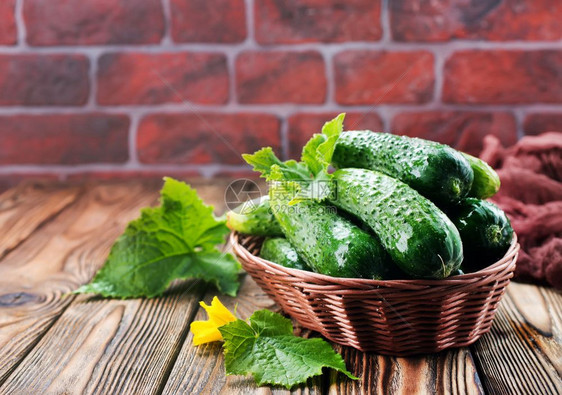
x=486 y=181
x=254 y=217
x=280 y=251
x=485 y=231
x=457 y=272
x=437 y=171
x=418 y=236
x=328 y=243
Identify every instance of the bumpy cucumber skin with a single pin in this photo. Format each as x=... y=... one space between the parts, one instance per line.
x=419 y=237
x=280 y=251
x=330 y=244
x=257 y=221
x=437 y=171
x=486 y=181
x=485 y=231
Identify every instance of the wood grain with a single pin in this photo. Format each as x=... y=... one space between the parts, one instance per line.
x=113 y=346
x=200 y=369
x=522 y=354
x=110 y=346
x=449 y=372
x=25 y=208
x=63 y=255
x=54 y=239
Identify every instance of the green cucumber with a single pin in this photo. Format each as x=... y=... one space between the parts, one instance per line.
x=254 y=217
x=328 y=243
x=437 y=171
x=486 y=181
x=457 y=272
x=418 y=236
x=485 y=231
x=280 y=251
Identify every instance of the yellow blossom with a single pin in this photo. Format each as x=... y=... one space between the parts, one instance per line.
x=208 y=331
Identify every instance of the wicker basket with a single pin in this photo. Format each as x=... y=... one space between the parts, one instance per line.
x=398 y=317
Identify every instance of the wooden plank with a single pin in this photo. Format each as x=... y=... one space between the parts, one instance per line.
x=448 y=372
x=200 y=369
x=523 y=351
x=109 y=346
x=25 y=208
x=63 y=255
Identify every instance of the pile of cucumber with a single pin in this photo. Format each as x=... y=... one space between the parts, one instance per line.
x=400 y=208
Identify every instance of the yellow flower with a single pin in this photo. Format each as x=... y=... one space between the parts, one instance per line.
x=208 y=331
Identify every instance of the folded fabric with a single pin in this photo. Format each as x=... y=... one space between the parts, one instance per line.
x=531 y=195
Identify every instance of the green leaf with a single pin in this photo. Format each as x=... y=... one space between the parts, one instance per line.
x=311 y=173
x=318 y=151
x=265 y=158
x=310 y=152
x=286 y=191
x=176 y=240
x=267 y=348
x=268 y=323
x=262 y=160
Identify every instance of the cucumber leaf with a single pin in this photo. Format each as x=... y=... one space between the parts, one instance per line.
x=265 y=158
x=266 y=348
x=176 y=240
x=309 y=154
x=310 y=178
x=318 y=151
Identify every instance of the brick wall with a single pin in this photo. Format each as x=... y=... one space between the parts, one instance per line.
x=148 y=87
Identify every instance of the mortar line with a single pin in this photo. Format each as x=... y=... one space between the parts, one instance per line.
x=386 y=38
x=458 y=45
x=167 y=14
x=519 y=121
x=92 y=77
x=284 y=131
x=328 y=57
x=385 y=22
x=231 y=69
x=135 y=119
x=281 y=109
x=439 y=72
x=250 y=23
x=21 y=31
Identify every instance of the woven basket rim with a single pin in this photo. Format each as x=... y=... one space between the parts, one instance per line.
x=312 y=277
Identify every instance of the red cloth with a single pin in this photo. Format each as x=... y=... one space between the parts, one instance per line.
x=531 y=196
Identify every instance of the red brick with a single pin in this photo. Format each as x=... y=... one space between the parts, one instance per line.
x=301 y=21
x=63 y=139
x=462 y=130
x=217 y=21
x=43 y=80
x=280 y=77
x=8 y=31
x=503 y=77
x=141 y=78
x=205 y=138
x=443 y=20
x=372 y=77
x=539 y=123
x=304 y=125
x=91 y=22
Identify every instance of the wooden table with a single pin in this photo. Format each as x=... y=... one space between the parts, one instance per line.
x=55 y=237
